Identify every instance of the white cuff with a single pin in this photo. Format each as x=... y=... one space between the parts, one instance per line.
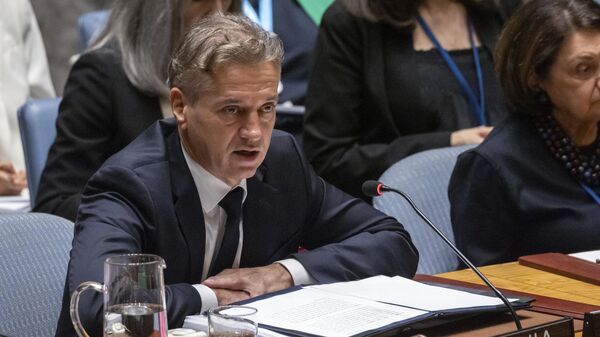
x=298 y=272
x=208 y=296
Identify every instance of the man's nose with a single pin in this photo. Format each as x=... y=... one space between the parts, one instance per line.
x=250 y=128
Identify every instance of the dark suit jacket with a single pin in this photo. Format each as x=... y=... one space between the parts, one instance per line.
x=510 y=197
x=352 y=132
x=144 y=199
x=298 y=33
x=100 y=113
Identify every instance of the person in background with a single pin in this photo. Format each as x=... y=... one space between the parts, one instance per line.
x=383 y=84
x=115 y=90
x=224 y=199
x=533 y=185
x=295 y=22
x=24 y=75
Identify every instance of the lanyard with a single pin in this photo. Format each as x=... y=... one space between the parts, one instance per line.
x=478 y=106
x=591 y=192
x=264 y=17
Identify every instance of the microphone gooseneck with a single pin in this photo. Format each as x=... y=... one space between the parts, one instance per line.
x=374 y=188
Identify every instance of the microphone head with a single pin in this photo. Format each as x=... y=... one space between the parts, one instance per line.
x=372 y=188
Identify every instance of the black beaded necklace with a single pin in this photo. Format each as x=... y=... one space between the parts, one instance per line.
x=583 y=162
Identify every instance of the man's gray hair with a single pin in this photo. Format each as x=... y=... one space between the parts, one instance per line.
x=215 y=40
x=146 y=32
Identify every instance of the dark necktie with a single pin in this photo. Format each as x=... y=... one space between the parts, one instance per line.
x=232 y=204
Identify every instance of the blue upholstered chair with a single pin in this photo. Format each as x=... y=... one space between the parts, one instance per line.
x=90 y=24
x=34 y=253
x=424 y=176
x=37 y=127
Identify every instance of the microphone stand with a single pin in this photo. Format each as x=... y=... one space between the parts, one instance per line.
x=382 y=188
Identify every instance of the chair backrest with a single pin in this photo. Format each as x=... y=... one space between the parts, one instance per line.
x=424 y=176
x=90 y=24
x=37 y=126
x=34 y=253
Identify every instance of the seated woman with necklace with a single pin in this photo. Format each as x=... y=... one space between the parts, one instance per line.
x=392 y=78
x=532 y=186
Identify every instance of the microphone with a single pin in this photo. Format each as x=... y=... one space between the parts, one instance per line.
x=372 y=188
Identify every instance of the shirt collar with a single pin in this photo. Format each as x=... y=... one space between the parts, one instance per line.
x=210 y=188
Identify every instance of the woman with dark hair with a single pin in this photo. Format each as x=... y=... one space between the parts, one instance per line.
x=533 y=185
x=392 y=78
x=115 y=90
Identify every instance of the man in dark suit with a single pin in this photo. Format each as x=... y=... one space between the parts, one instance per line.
x=169 y=192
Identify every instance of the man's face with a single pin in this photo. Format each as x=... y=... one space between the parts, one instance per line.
x=228 y=130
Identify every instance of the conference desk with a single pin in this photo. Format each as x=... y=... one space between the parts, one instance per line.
x=556 y=297
x=548 y=287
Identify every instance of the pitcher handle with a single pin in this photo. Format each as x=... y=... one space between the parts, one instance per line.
x=74 y=307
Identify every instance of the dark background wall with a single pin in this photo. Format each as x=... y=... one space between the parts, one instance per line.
x=58 y=24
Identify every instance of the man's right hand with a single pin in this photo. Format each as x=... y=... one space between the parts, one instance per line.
x=227 y=296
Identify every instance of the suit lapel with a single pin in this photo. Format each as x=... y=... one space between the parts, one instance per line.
x=258 y=219
x=187 y=207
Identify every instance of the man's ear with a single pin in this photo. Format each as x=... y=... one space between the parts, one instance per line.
x=178 y=106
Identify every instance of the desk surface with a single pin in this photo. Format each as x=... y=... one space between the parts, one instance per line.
x=513 y=276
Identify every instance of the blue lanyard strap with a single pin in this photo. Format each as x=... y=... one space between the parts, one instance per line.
x=264 y=17
x=591 y=192
x=478 y=106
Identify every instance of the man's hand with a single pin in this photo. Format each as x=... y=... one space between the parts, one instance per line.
x=226 y=296
x=11 y=182
x=252 y=281
x=474 y=135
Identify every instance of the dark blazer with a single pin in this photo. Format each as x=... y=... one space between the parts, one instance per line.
x=144 y=199
x=510 y=197
x=298 y=33
x=351 y=130
x=100 y=113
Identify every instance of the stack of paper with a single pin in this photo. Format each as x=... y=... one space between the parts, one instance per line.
x=363 y=307
x=14 y=204
x=592 y=256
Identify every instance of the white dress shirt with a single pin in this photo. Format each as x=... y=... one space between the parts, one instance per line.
x=24 y=73
x=211 y=190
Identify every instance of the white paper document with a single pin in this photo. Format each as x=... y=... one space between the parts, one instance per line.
x=591 y=256
x=409 y=293
x=324 y=313
x=11 y=204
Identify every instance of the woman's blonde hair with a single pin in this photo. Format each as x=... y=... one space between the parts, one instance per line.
x=145 y=32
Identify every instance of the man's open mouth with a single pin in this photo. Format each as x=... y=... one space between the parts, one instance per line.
x=247 y=153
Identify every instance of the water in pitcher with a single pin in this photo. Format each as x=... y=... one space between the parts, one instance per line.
x=135 y=320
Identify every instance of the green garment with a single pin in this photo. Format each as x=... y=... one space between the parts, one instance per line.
x=315 y=8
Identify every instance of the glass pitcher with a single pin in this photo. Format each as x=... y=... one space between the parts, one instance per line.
x=134 y=297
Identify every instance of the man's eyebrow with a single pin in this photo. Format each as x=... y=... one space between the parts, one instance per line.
x=237 y=101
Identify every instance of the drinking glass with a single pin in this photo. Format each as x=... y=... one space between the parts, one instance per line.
x=134 y=297
x=232 y=321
